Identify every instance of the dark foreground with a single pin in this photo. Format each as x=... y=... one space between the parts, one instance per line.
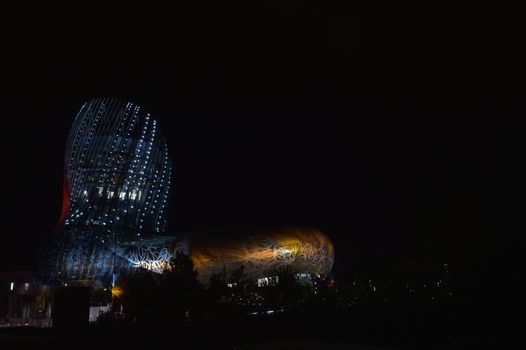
x=184 y=338
x=367 y=330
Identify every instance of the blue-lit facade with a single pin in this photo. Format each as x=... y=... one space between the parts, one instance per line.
x=116 y=189
x=117 y=170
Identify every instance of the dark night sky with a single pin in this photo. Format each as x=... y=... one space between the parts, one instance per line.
x=370 y=122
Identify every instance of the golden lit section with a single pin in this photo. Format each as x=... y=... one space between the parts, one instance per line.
x=199 y=259
x=116 y=291
x=303 y=249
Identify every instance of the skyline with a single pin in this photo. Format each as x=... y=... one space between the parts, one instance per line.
x=378 y=139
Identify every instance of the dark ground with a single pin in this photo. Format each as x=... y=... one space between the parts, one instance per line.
x=387 y=325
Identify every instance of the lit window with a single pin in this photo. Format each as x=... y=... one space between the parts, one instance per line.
x=268 y=281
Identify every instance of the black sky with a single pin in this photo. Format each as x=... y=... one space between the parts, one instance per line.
x=370 y=121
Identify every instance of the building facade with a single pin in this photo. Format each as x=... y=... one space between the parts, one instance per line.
x=116 y=189
x=114 y=216
x=262 y=254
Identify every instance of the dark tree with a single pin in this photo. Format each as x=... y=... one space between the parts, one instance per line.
x=170 y=297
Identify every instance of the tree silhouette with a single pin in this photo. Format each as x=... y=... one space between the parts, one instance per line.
x=168 y=297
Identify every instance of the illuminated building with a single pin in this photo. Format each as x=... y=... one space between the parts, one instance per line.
x=116 y=187
x=114 y=214
x=262 y=254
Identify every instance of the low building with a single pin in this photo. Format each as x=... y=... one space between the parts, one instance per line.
x=25 y=301
x=262 y=254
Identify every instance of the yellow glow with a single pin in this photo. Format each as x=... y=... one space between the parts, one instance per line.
x=116 y=291
x=305 y=249
x=199 y=259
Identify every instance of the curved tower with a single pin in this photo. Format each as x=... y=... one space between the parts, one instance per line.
x=117 y=169
x=116 y=187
